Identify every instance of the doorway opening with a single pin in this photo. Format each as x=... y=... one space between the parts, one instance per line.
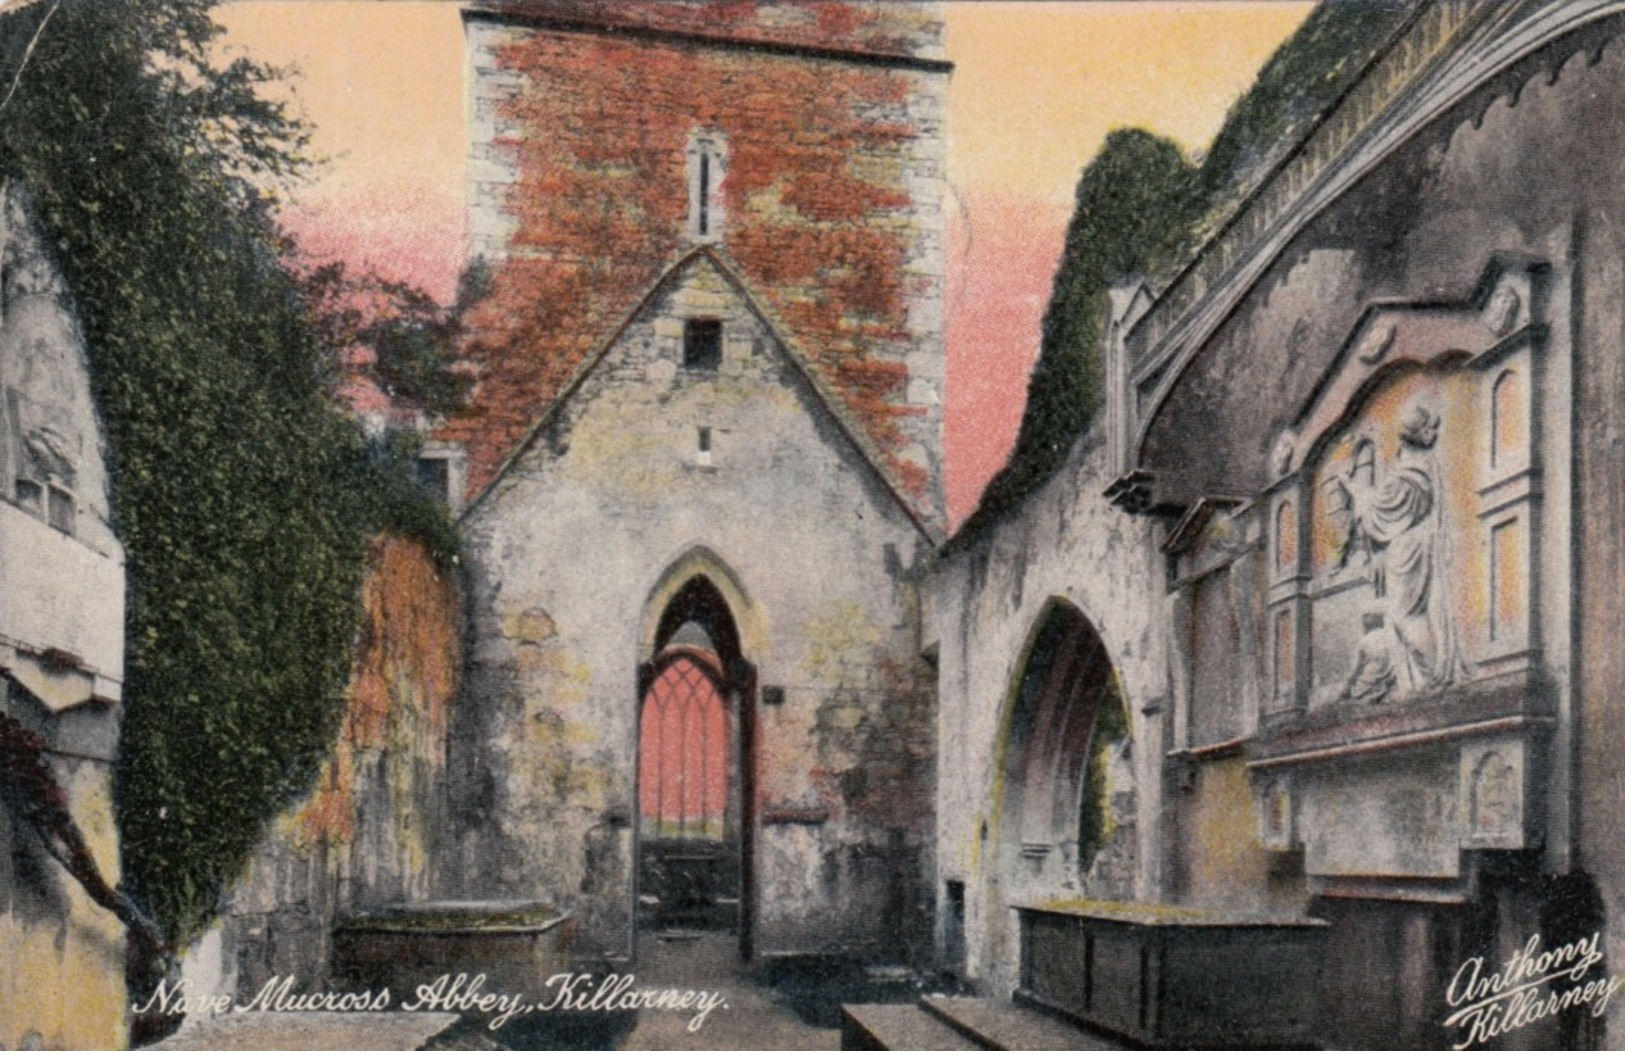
x=695 y=736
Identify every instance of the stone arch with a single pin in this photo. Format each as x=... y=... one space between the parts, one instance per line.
x=701 y=562
x=696 y=718
x=1064 y=716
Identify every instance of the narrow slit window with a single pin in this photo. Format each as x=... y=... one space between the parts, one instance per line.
x=705 y=440
x=702 y=344
x=705 y=193
x=706 y=167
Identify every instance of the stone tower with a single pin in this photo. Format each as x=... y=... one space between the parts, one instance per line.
x=703 y=471
x=803 y=141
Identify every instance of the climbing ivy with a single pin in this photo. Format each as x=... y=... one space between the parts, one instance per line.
x=242 y=494
x=1134 y=202
x=1143 y=209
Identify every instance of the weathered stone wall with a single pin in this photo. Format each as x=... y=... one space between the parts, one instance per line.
x=1063 y=543
x=62 y=655
x=572 y=557
x=875 y=28
x=60 y=652
x=63 y=986
x=1520 y=170
x=370 y=830
x=828 y=186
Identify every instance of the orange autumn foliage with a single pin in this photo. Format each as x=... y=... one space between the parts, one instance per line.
x=403 y=681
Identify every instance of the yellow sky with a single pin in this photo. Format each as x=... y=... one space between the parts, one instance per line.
x=1036 y=86
x=382 y=81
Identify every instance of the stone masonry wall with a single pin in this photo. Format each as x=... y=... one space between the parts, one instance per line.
x=876 y=28
x=1065 y=543
x=571 y=557
x=1523 y=170
x=61 y=657
x=368 y=833
x=829 y=200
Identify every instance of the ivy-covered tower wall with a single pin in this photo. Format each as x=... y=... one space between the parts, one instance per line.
x=706 y=423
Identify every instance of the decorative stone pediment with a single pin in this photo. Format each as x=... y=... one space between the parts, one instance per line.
x=1402 y=552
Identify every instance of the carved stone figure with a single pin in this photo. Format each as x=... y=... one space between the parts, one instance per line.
x=1396 y=526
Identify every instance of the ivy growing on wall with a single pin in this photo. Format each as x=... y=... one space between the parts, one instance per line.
x=241 y=492
x=1134 y=201
x=1143 y=209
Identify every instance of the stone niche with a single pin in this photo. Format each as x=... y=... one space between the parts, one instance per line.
x=1403 y=702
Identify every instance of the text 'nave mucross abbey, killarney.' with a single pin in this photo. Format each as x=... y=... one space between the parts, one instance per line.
x=1294 y=693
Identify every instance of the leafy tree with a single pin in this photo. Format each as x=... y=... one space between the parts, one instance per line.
x=242 y=494
x=393 y=335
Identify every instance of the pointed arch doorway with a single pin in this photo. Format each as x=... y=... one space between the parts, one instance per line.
x=695 y=783
x=1066 y=715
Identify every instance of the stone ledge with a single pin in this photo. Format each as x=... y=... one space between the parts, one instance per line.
x=1149 y=914
x=1515 y=701
x=898 y=1027
x=1000 y=1026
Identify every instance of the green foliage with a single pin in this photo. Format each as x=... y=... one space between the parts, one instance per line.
x=393 y=335
x=396 y=500
x=1134 y=202
x=1304 y=76
x=1143 y=209
x=241 y=493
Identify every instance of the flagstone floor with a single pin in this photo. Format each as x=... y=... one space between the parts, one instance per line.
x=751 y=1017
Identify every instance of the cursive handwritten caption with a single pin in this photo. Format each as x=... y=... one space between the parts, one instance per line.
x=461 y=993
x=1532 y=985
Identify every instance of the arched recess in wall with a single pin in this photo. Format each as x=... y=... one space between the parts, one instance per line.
x=701 y=562
x=695 y=750
x=1066 y=716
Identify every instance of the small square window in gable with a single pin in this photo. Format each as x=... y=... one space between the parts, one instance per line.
x=702 y=344
x=441 y=470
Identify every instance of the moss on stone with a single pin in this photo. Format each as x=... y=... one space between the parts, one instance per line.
x=1097 y=821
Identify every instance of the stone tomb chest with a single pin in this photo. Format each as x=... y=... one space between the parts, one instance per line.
x=1171 y=976
x=516 y=945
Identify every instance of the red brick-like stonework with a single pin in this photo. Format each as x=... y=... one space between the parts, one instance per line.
x=830 y=203
x=877 y=28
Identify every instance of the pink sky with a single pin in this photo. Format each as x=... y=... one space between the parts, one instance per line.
x=1035 y=89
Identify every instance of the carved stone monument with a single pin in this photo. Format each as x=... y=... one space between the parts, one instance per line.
x=1403 y=682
